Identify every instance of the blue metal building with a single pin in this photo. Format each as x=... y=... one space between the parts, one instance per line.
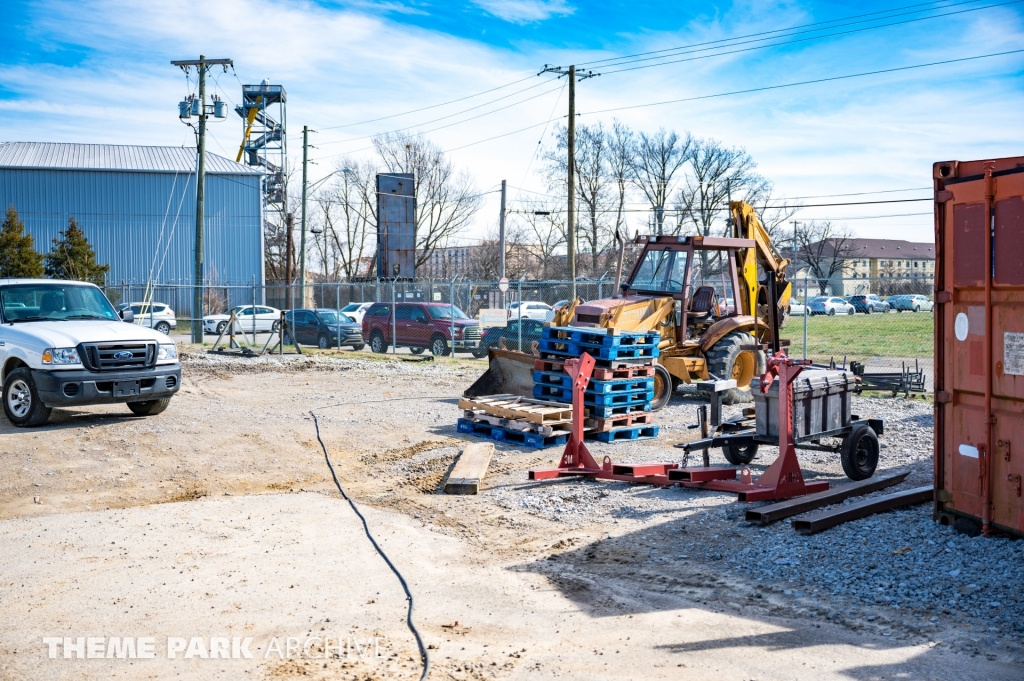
x=136 y=206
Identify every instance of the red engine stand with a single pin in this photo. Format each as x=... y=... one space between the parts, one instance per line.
x=577 y=459
x=783 y=479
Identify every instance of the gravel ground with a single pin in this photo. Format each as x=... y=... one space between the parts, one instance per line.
x=241 y=427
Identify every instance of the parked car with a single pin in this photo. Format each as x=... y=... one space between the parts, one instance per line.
x=63 y=344
x=356 y=311
x=258 y=319
x=158 y=316
x=797 y=308
x=530 y=309
x=420 y=326
x=868 y=303
x=911 y=303
x=324 y=328
x=830 y=305
x=508 y=336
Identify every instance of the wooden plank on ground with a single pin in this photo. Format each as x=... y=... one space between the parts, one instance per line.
x=470 y=469
x=826 y=519
x=784 y=509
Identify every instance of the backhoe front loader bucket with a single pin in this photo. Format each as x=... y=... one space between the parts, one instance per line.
x=508 y=373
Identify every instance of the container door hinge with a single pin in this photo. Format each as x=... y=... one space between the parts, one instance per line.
x=943 y=396
x=943 y=195
x=943 y=296
x=1014 y=480
x=1004 y=447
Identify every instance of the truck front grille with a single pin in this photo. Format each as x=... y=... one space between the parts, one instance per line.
x=471 y=332
x=117 y=356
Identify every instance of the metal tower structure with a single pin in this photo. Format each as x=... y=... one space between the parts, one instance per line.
x=264 y=142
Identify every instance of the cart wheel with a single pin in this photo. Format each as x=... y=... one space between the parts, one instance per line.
x=740 y=456
x=860 y=453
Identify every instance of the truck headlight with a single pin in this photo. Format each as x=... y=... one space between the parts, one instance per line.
x=61 y=356
x=166 y=351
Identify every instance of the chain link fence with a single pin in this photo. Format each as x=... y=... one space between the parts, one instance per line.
x=829 y=321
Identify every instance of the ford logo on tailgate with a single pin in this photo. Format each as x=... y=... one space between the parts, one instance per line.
x=123 y=354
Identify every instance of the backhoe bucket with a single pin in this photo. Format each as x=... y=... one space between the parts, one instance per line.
x=509 y=373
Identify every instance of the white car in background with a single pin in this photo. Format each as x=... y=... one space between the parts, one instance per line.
x=356 y=311
x=157 y=316
x=250 y=319
x=529 y=309
x=796 y=308
x=830 y=305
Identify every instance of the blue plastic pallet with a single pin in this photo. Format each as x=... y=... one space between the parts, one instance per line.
x=604 y=412
x=587 y=337
x=631 y=433
x=566 y=349
x=563 y=380
x=514 y=437
x=559 y=394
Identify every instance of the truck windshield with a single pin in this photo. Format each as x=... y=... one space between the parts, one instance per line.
x=660 y=271
x=49 y=302
x=446 y=312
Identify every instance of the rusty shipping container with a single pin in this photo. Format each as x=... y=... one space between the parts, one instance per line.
x=979 y=342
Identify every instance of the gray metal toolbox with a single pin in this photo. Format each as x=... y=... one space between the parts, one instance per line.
x=821 y=403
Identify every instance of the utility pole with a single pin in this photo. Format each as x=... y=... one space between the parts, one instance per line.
x=289 y=249
x=796 y=226
x=501 y=234
x=202 y=65
x=302 y=236
x=570 y=232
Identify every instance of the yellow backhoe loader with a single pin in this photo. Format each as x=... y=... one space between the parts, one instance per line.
x=718 y=302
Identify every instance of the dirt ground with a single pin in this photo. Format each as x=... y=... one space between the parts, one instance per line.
x=218 y=519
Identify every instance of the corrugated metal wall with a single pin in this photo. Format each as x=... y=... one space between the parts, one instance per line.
x=141 y=222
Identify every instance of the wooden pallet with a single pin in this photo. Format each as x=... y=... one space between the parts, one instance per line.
x=620 y=421
x=599 y=373
x=551 y=428
x=518 y=408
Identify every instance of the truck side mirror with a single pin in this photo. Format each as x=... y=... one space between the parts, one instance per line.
x=127 y=315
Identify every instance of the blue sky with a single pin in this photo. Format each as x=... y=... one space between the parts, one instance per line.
x=99 y=72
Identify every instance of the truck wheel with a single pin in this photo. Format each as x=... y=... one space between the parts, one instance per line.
x=358 y=347
x=417 y=351
x=860 y=453
x=438 y=346
x=323 y=342
x=727 y=359
x=377 y=343
x=149 y=407
x=164 y=328
x=663 y=387
x=480 y=353
x=740 y=456
x=220 y=327
x=22 y=405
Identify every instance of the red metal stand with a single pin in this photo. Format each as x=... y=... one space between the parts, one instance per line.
x=577 y=459
x=783 y=479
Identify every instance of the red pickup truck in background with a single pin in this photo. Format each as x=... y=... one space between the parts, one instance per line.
x=422 y=326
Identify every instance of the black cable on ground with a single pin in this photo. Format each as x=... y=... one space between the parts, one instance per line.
x=424 y=656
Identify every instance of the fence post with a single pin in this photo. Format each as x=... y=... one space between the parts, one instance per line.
x=394 y=317
x=253 y=309
x=806 y=315
x=451 y=315
x=519 y=293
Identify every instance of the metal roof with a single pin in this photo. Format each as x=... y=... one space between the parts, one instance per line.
x=120 y=157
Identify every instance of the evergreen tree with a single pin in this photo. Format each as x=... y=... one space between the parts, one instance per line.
x=73 y=258
x=18 y=257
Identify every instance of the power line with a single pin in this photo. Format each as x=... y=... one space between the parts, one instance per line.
x=803 y=40
x=805 y=82
x=752 y=35
x=830 y=196
x=432 y=106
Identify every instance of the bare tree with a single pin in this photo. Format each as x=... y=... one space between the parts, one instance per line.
x=621 y=153
x=823 y=248
x=543 y=227
x=485 y=258
x=347 y=210
x=446 y=198
x=657 y=160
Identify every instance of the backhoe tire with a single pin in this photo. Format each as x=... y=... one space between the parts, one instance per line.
x=727 y=359
x=664 y=385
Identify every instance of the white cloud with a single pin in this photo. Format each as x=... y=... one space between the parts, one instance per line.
x=525 y=11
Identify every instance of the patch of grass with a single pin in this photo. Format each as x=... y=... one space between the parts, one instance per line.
x=862 y=336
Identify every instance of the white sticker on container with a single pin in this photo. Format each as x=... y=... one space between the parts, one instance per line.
x=1013 y=353
x=961 y=327
x=969 y=451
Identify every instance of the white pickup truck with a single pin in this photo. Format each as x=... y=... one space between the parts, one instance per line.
x=62 y=344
